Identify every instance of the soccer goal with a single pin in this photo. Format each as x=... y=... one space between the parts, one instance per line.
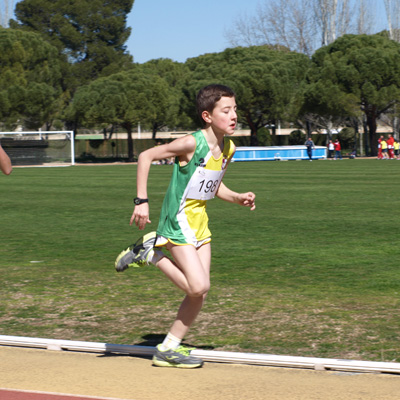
x=40 y=148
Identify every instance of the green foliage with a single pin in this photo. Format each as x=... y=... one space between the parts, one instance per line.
x=90 y=35
x=355 y=74
x=264 y=137
x=85 y=48
x=297 y=137
x=127 y=99
x=177 y=76
x=30 y=79
x=347 y=138
x=265 y=80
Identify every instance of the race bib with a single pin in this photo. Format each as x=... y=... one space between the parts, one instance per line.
x=204 y=184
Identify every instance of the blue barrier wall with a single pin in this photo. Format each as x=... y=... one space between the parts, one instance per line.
x=272 y=153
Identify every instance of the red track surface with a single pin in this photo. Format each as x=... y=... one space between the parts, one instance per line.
x=6 y=394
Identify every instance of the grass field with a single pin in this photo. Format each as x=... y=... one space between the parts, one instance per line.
x=313 y=271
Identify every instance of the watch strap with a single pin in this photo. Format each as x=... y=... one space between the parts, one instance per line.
x=139 y=201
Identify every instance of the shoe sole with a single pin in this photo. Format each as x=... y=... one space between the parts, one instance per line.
x=162 y=363
x=120 y=268
x=136 y=247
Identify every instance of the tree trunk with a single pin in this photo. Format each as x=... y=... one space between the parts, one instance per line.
x=253 y=131
x=253 y=138
x=130 y=144
x=274 y=139
x=371 y=123
x=366 y=139
x=356 y=136
x=308 y=128
x=154 y=131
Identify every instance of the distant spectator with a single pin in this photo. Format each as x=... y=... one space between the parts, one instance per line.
x=396 y=149
x=384 y=149
x=310 y=145
x=331 y=149
x=380 y=148
x=338 y=149
x=390 y=145
x=5 y=162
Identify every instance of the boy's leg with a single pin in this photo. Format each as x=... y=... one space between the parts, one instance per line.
x=190 y=271
x=190 y=268
x=196 y=268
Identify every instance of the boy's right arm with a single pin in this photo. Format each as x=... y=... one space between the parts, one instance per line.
x=141 y=212
x=182 y=147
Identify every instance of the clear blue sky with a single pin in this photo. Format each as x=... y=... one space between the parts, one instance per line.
x=180 y=29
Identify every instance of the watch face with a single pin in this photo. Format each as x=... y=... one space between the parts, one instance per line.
x=139 y=201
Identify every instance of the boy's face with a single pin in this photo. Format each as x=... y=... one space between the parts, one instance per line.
x=223 y=118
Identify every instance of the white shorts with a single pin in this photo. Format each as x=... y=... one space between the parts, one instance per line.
x=162 y=241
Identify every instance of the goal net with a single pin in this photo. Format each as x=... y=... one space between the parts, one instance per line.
x=46 y=148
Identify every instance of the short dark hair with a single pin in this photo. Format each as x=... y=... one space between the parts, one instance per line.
x=209 y=95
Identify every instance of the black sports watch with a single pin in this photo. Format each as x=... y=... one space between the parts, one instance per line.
x=138 y=201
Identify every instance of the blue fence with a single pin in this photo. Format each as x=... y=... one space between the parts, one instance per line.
x=273 y=153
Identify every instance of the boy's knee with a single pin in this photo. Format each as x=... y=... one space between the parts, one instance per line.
x=199 y=290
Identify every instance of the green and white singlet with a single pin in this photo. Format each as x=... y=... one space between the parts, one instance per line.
x=183 y=218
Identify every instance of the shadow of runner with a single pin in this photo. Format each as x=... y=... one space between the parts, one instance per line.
x=155 y=339
x=145 y=348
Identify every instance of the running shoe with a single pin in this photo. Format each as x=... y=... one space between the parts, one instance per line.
x=138 y=254
x=178 y=358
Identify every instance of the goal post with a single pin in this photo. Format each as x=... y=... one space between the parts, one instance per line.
x=39 y=148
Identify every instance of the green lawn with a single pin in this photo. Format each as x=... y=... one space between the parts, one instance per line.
x=313 y=271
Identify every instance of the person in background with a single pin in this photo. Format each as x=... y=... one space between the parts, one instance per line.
x=338 y=149
x=384 y=149
x=380 y=156
x=396 y=149
x=390 y=144
x=310 y=145
x=5 y=162
x=331 y=149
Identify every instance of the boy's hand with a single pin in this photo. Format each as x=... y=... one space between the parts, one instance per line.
x=247 y=200
x=141 y=216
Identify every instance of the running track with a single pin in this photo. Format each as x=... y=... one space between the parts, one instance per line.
x=33 y=374
x=7 y=394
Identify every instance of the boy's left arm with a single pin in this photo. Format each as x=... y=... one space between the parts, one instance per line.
x=244 y=199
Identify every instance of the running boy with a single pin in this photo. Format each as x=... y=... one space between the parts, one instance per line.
x=201 y=159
